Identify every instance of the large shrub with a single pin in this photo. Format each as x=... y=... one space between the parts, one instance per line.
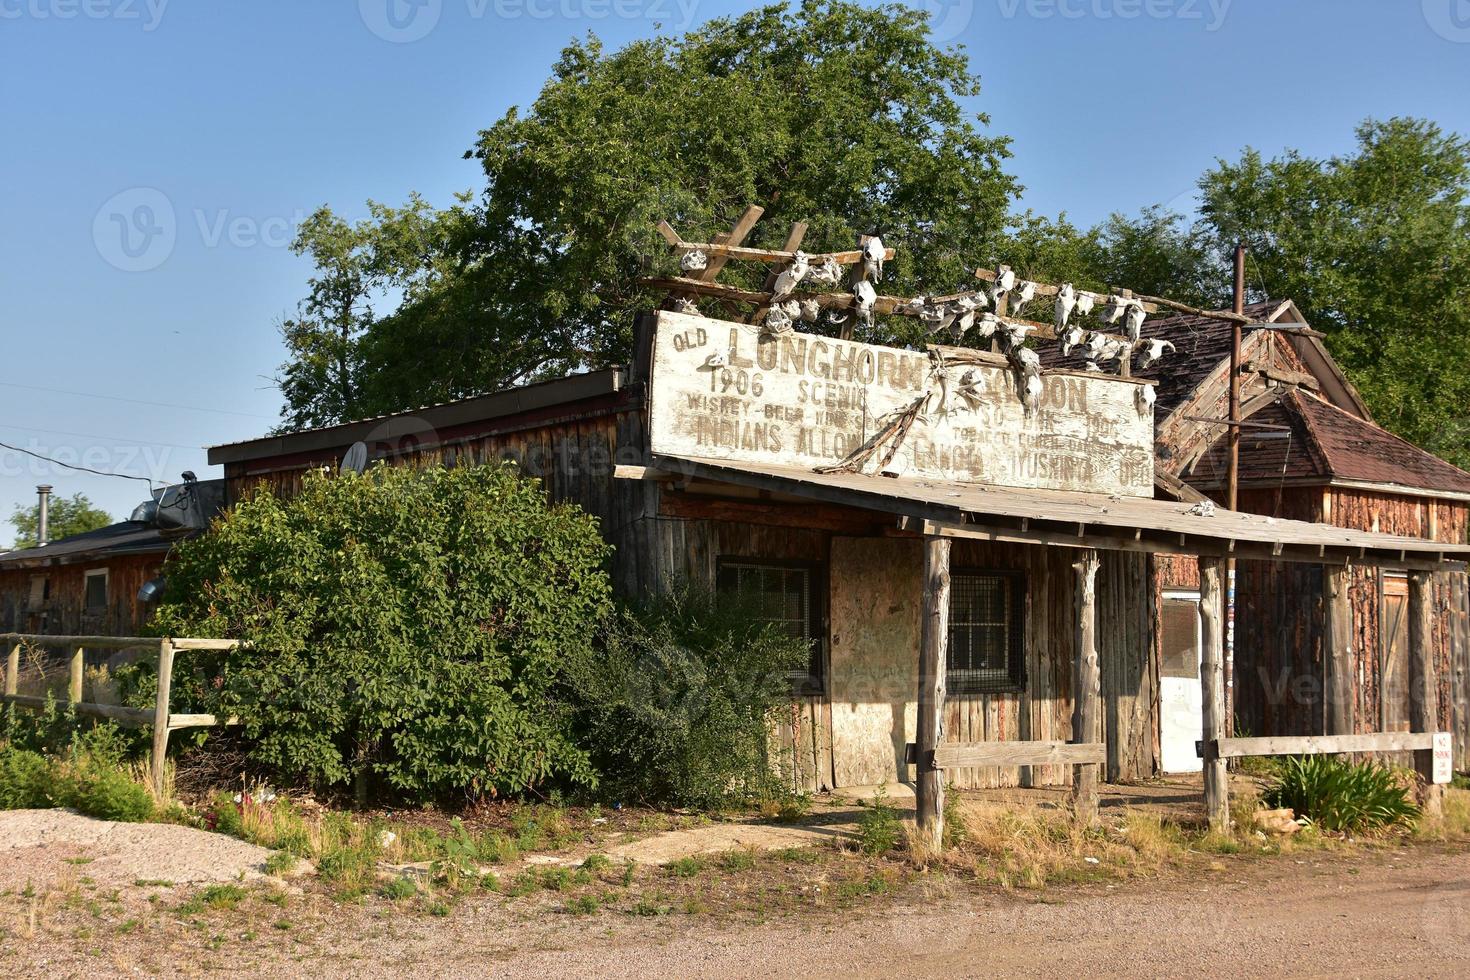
x=1340 y=795
x=677 y=707
x=412 y=624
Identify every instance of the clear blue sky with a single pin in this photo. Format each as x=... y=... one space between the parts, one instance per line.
x=241 y=117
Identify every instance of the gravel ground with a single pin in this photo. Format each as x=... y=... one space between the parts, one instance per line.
x=1373 y=912
x=42 y=847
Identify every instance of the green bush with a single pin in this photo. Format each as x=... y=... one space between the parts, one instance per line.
x=90 y=777
x=25 y=778
x=677 y=706
x=1343 y=796
x=879 y=828
x=408 y=624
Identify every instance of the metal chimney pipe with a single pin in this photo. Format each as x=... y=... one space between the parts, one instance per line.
x=43 y=522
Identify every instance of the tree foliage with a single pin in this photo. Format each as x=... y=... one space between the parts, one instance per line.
x=830 y=112
x=412 y=624
x=1374 y=246
x=65 y=516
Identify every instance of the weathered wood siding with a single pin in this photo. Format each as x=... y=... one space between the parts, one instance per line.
x=64 y=613
x=1280 y=618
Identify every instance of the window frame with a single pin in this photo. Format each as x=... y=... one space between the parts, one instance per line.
x=803 y=682
x=87 y=577
x=1016 y=675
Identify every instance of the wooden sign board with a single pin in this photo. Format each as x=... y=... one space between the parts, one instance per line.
x=723 y=390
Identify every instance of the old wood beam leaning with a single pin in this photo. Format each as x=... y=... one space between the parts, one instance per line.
x=1212 y=691
x=1085 y=682
x=933 y=658
x=1423 y=683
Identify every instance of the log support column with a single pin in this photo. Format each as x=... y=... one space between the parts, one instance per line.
x=1423 y=682
x=1086 y=685
x=933 y=659
x=1212 y=690
x=1339 y=665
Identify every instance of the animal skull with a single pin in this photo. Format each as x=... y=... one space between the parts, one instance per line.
x=695 y=261
x=1066 y=302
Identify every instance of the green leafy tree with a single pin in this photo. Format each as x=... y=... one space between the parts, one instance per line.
x=64 y=517
x=1374 y=246
x=412 y=625
x=834 y=113
x=396 y=255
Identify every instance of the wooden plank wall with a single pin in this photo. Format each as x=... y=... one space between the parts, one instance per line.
x=64 y=613
x=1280 y=617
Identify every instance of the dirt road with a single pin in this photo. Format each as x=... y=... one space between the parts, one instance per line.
x=1390 y=912
x=1404 y=914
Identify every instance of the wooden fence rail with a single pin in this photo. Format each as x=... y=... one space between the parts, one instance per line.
x=159 y=717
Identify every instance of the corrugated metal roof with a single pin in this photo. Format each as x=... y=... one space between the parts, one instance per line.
x=1077 y=517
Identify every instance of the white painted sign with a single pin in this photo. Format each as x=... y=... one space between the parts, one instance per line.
x=721 y=390
x=1444 y=757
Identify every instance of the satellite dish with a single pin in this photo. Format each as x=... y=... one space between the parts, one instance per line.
x=356 y=458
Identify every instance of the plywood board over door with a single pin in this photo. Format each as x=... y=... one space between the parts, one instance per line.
x=875 y=588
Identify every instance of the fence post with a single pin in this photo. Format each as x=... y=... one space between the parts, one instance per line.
x=12 y=671
x=160 y=713
x=78 y=663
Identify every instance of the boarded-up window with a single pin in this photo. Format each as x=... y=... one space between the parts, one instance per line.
x=1393 y=651
x=986 y=632
x=96 y=598
x=40 y=592
x=1179 y=638
x=786 y=594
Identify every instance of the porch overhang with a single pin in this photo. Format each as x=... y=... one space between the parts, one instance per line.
x=1071 y=519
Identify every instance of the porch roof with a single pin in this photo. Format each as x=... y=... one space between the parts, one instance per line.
x=1079 y=520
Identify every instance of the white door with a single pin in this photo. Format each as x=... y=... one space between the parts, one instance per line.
x=1181 y=714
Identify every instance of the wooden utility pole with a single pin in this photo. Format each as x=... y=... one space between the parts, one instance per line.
x=933 y=658
x=1232 y=482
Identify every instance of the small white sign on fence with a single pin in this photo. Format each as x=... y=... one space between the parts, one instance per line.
x=1444 y=757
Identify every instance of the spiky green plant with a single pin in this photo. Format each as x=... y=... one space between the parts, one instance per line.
x=1343 y=796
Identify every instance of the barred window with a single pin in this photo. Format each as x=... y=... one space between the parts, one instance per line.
x=786 y=594
x=986 y=610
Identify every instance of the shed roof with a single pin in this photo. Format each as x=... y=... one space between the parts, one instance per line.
x=421 y=422
x=1073 y=519
x=123 y=538
x=1331 y=445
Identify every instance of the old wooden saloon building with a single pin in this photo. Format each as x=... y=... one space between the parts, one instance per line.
x=1024 y=539
x=1004 y=560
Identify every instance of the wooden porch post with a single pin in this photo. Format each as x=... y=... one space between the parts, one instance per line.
x=1338 y=663
x=933 y=657
x=78 y=665
x=1212 y=689
x=1423 y=682
x=1085 y=685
